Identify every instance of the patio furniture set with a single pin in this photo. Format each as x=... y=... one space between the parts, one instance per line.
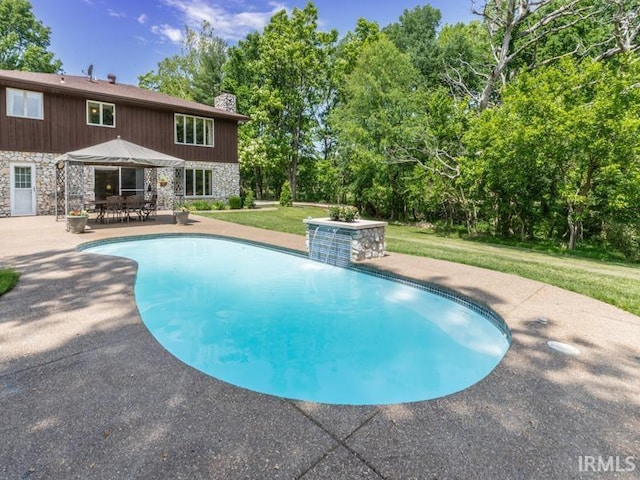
x=119 y=209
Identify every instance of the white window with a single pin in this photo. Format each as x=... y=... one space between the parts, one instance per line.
x=191 y=130
x=198 y=182
x=24 y=103
x=100 y=113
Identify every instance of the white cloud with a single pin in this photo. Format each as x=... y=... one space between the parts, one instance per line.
x=142 y=19
x=141 y=40
x=113 y=13
x=228 y=24
x=167 y=31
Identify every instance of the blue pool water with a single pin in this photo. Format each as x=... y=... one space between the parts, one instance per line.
x=285 y=325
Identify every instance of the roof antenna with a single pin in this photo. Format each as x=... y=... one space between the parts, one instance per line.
x=89 y=72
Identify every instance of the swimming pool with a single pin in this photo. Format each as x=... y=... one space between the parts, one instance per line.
x=282 y=324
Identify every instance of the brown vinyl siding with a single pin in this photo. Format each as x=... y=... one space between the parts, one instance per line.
x=64 y=128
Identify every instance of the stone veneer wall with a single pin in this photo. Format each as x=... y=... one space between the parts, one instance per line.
x=226 y=181
x=366 y=242
x=44 y=164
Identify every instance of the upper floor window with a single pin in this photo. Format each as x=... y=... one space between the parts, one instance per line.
x=24 y=103
x=193 y=130
x=100 y=113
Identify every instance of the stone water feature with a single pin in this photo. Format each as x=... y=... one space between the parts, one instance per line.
x=340 y=243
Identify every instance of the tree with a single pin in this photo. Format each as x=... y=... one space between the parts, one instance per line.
x=466 y=53
x=381 y=110
x=565 y=142
x=173 y=77
x=242 y=78
x=515 y=25
x=286 y=68
x=415 y=34
x=624 y=27
x=195 y=73
x=24 y=40
x=331 y=176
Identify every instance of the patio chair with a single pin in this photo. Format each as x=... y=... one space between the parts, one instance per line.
x=151 y=207
x=134 y=204
x=113 y=208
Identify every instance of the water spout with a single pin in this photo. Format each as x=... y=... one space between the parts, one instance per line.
x=329 y=245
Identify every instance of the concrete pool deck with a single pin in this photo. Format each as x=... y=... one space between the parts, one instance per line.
x=86 y=391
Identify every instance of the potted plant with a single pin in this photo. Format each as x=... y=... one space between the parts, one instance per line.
x=343 y=214
x=334 y=212
x=77 y=220
x=163 y=181
x=350 y=214
x=181 y=215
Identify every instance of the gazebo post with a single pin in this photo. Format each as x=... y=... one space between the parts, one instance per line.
x=61 y=196
x=178 y=185
x=74 y=187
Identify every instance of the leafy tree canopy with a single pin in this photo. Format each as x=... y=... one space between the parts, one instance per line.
x=195 y=73
x=24 y=40
x=416 y=34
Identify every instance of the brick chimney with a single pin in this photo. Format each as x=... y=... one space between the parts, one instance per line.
x=111 y=78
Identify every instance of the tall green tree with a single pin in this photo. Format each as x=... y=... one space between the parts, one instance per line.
x=331 y=174
x=564 y=143
x=514 y=26
x=416 y=34
x=258 y=171
x=466 y=54
x=194 y=74
x=382 y=110
x=287 y=66
x=24 y=40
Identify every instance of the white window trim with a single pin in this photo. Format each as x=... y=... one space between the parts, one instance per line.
x=24 y=92
x=210 y=187
x=101 y=105
x=175 y=130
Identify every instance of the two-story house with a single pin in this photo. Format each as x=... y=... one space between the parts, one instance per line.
x=45 y=115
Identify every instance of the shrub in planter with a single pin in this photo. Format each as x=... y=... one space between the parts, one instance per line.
x=77 y=220
x=334 y=212
x=343 y=214
x=349 y=214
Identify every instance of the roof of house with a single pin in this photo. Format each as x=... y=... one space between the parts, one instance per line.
x=77 y=85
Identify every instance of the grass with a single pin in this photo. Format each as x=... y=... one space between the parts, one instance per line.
x=8 y=279
x=613 y=282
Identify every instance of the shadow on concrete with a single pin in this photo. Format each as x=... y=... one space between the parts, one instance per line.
x=88 y=393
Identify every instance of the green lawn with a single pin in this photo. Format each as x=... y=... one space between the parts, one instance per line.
x=614 y=283
x=8 y=279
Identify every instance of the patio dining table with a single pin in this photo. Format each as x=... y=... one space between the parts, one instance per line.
x=131 y=206
x=100 y=207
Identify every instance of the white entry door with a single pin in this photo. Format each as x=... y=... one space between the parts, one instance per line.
x=23 y=189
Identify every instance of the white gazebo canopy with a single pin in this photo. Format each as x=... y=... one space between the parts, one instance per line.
x=70 y=181
x=119 y=152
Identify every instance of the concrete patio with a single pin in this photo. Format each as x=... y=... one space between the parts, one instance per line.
x=87 y=392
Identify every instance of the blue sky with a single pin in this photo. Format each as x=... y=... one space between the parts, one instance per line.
x=129 y=38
